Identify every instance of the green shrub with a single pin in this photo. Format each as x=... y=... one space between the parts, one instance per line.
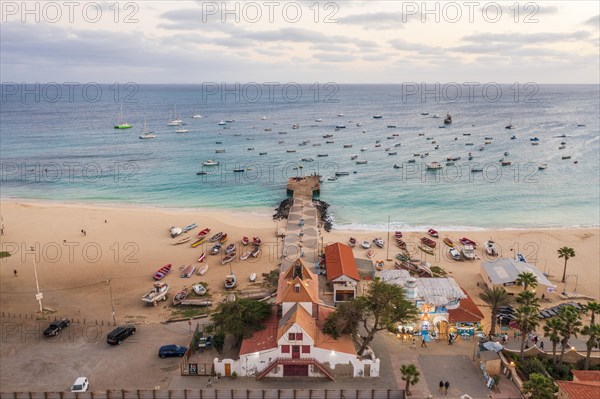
x=530 y=366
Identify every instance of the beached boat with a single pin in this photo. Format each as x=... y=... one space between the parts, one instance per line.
x=454 y=253
x=255 y=251
x=210 y=162
x=491 y=248
x=230 y=248
x=230 y=281
x=352 y=242
x=426 y=249
x=215 y=249
x=122 y=124
x=189 y=227
x=379 y=264
x=448 y=242
x=198 y=242
x=245 y=255
x=162 y=272
x=398 y=234
x=181 y=241
x=520 y=258
x=188 y=271
x=466 y=241
x=158 y=293
x=379 y=242
x=366 y=244
x=428 y=242
x=401 y=244
x=433 y=233
x=175 y=231
x=203 y=233
x=252 y=277
x=202 y=270
x=256 y=240
x=245 y=240
x=199 y=289
x=228 y=258
x=216 y=237
x=179 y=297
x=468 y=251
x=370 y=253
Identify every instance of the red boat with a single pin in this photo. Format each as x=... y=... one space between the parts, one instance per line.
x=466 y=241
x=245 y=240
x=204 y=233
x=162 y=272
x=428 y=242
x=398 y=234
x=256 y=240
x=352 y=242
x=202 y=257
x=400 y=243
x=433 y=233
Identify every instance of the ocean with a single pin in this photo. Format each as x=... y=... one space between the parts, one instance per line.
x=58 y=143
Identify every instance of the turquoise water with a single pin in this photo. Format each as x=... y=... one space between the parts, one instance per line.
x=68 y=151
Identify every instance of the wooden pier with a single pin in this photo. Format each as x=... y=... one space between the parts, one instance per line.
x=307 y=187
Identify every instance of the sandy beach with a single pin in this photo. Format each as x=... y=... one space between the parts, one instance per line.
x=134 y=242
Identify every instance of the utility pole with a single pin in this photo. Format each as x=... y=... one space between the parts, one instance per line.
x=388 y=241
x=112 y=304
x=39 y=295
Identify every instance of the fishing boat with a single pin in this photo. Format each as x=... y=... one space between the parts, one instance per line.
x=542 y=166
x=370 y=253
x=256 y=240
x=181 y=129
x=181 y=241
x=366 y=244
x=252 y=277
x=347 y=145
x=342 y=173
x=210 y=162
x=290 y=151
x=179 y=297
x=454 y=254
x=491 y=248
x=146 y=134
x=202 y=257
x=188 y=271
x=398 y=234
x=428 y=242
x=223 y=238
x=398 y=166
x=379 y=242
x=377 y=116
x=228 y=258
x=230 y=248
x=401 y=244
x=466 y=241
x=175 y=231
x=255 y=251
x=202 y=271
x=198 y=242
x=245 y=240
x=203 y=233
x=230 y=281
x=362 y=162
x=245 y=255
x=162 y=272
x=426 y=249
x=379 y=264
x=520 y=258
x=219 y=152
x=448 y=119
x=433 y=233
x=566 y=157
x=189 y=227
x=216 y=237
x=215 y=249
x=434 y=166
x=393 y=153
x=506 y=163
x=448 y=242
x=513 y=137
x=468 y=252
x=222 y=123
x=122 y=124
x=352 y=242
x=158 y=293
x=199 y=289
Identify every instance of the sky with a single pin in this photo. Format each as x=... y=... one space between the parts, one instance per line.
x=300 y=41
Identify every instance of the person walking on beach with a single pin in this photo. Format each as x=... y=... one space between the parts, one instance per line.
x=446 y=386
x=441 y=386
x=423 y=343
x=15 y=273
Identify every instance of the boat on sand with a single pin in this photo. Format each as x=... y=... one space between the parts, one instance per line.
x=179 y=297
x=202 y=271
x=162 y=272
x=188 y=271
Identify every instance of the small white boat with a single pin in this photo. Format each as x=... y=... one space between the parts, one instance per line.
x=491 y=248
x=379 y=242
x=202 y=271
x=175 y=231
x=366 y=244
x=454 y=253
x=181 y=129
x=245 y=255
x=542 y=166
x=252 y=277
x=210 y=162
x=230 y=281
x=222 y=123
x=146 y=134
x=468 y=252
x=318 y=120
x=434 y=166
x=370 y=253
x=188 y=271
x=181 y=241
x=199 y=289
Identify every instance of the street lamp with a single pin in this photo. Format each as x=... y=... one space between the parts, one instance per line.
x=39 y=295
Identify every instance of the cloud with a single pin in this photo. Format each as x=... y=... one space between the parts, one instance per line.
x=376 y=20
x=527 y=38
x=593 y=22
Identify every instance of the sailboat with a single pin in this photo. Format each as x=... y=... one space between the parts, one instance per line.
x=196 y=115
x=181 y=129
x=175 y=121
x=145 y=133
x=122 y=124
x=510 y=124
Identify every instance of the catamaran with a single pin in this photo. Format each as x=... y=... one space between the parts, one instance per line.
x=122 y=124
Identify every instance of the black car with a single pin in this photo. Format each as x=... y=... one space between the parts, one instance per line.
x=55 y=327
x=171 y=351
x=119 y=334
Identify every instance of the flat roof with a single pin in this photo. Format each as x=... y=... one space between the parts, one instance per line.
x=507 y=270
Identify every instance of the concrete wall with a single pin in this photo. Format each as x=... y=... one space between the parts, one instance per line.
x=571 y=356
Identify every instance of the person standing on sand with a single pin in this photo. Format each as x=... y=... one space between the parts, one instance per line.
x=441 y=386
x=446 y=386
x=15 y=273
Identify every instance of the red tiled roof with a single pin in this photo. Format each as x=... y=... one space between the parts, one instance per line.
x=298 y=315
x=263 y=339
x=586 y=375
x=342 y=344
x=308 y=285
x=580 y=389
x=339 y=261
x=467 y=312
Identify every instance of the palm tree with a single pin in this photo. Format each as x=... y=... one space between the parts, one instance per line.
x=527 y=279
x=593 y=333
x=410 y=374
x=594 y=309
x=495 y=298
x=539 y=387
x=571 y=326
x=552 y=331
x=567 y=253
x=527 y=318
x=528 y=298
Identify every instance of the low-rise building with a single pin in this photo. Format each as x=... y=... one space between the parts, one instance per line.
x=585 y=385
x=342 y=272
x=504 y=272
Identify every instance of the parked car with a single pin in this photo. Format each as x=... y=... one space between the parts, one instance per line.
x=119 y=334
x=205 y=342
x=171 y=351
x=81 y=385
x=55 y=327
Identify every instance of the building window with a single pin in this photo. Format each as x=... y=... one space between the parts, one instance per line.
x=285 y=349
x=305 y=348
x=291 y=337
x=298 y=336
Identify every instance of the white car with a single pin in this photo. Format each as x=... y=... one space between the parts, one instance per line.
x=81 y=385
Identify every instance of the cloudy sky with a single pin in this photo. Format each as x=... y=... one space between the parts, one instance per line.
x=338 y=41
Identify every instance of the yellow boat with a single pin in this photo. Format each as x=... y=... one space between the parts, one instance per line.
x=198 y=242
x=426 y=249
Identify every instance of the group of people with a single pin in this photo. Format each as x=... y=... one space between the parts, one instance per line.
x=535 y=340
x=444 y=387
